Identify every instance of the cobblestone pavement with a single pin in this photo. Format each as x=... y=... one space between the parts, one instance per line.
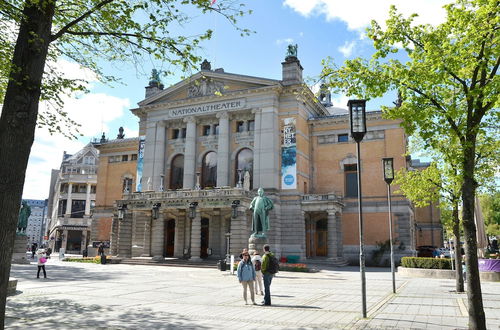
x=95 y=296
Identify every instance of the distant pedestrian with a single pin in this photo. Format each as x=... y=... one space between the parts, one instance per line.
x=49 y=252
x=246 y=276
x=257 y=264
x=100 y=251
x=270 y=266
x=34 y=247
x=42 y=259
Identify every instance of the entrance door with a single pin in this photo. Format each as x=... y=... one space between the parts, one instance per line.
x=204 y=237
x=321 y=238
x=169 y=238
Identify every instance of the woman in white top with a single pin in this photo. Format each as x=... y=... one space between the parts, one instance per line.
x=257 y=264
x=42 y=259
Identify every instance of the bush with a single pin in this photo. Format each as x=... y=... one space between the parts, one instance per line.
x=426 y=263
x=94 y=260
x=294 y=268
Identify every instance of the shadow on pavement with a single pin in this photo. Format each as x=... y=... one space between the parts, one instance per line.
x=58 y=273
x=66 y=314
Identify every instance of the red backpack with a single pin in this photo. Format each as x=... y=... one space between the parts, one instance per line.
x=258 y=265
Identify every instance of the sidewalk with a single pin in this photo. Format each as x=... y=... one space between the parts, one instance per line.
x=125 y=296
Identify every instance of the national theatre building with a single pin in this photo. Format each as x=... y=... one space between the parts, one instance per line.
x=209 y=142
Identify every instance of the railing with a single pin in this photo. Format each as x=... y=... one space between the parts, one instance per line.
x=333 y=196
x=189 y=193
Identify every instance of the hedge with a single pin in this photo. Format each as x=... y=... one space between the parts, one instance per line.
x=427 y=263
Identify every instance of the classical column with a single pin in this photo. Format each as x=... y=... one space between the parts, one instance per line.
x=223 y=150
x=180 y=223
x=114 y=236
x=146 y=246
x=83 y=245
x=69 y=201
x=269 y=147
x=159 y=155
x=190 y=153
x=256 y=148
x=87 y=200
x=196 y=237
x=340 y=244
x=332 y=234
x=158 y=238
x=149 y=155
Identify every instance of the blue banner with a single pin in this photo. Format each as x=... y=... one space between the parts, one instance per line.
x=289 y=155
x=140 y=162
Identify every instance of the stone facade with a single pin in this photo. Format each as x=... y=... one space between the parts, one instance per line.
x=192 y=197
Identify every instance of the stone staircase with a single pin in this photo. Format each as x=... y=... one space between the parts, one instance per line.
x=172 y=262
x=326 y=262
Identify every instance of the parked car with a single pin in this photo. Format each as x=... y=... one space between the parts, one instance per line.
x=444 y=253
x=425 y=251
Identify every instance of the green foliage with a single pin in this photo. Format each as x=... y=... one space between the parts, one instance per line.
x=426 y=263
x=93 y=32
x=490 y=206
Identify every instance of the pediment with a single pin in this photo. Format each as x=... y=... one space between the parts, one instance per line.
x=207 y=83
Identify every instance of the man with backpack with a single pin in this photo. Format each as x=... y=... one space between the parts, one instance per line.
x=270 y=266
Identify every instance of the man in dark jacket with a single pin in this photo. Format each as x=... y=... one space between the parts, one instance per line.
x=268 y=277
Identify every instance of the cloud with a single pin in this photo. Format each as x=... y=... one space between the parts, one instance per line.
x=284 y=41
x=357 y=14
x=93 y=111
x=347 y=48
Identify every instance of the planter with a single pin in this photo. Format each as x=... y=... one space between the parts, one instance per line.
x=489 y=265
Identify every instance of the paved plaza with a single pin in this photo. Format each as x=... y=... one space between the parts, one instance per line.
x=92 y=296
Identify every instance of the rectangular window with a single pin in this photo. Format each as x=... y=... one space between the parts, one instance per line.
x=351 y=180
x=61 y=210
x=133 y=157
x=342 y=138
x=124 y=158
x=92 y=189
x=183 y=135
x=240 y=126
x=206 y=130
x=216 y=129
x=251 y=125
x=77 y=208
x=175 y=133
x=82 y=188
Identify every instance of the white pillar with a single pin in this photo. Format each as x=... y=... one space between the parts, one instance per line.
x=333 y=237
x=84 y=241
x=190 y=153
x=69 y=201
x=65 y=240
x=149 y=155
x=196 y=237
x=223 y=150
x=87 y=200
x=269 y=147
x=256 y=149
x=159 y=155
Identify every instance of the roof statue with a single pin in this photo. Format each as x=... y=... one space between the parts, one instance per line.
x=155 y=78
x=120 y=133
x=205 y=65
x=292 y=50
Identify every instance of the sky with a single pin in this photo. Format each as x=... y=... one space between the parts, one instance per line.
x=320 y=28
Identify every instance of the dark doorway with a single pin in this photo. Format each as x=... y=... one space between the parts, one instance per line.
x=321 y=238
x=169 y=238
x=204 y=237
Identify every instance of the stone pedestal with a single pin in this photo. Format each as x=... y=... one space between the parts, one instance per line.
x=19 y=253
x=11 y=288
x=257 y=243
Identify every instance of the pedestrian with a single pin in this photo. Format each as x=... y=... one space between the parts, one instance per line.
x=269 y=268
x=49 y=252
x=34 y=247
x=257 y=265
x=42 y=259
x=246 y=276
x=245 y=250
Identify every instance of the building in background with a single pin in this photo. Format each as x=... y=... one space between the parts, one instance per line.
x=71 y=200
x=36 y=220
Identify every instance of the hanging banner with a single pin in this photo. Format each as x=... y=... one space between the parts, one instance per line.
x=289 y=155
x=140 y=162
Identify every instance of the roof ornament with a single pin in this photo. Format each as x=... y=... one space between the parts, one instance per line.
x=120 y=133
x=206 y=66
x=103 y=138
x=291 y=51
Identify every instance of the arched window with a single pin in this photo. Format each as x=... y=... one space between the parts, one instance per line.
x=209 y=170
x=177 y=172
x=244 y=162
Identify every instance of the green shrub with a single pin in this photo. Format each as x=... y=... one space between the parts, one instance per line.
x=427 y=263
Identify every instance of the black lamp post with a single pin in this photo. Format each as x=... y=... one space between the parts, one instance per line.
x=388 y=165
x=234 y=208
x=156 y=210
x=357 y=119
x=122 y=209
x=192 y=209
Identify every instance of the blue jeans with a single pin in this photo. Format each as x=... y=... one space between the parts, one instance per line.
x=267 y=288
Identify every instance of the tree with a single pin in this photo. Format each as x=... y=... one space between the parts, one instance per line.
x=86 y=32
x=490 y=205
x=448 y=87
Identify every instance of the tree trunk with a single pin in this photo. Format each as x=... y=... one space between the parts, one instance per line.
x=459 y=277
x=17 y=124
x=477 y=318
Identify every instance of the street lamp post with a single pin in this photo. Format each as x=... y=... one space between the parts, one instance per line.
x=388 y=166
x=357 y=119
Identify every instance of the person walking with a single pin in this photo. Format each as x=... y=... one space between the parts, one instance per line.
x=268 y=273
x=246 y=276
x=42 y=259
x=257 y=265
